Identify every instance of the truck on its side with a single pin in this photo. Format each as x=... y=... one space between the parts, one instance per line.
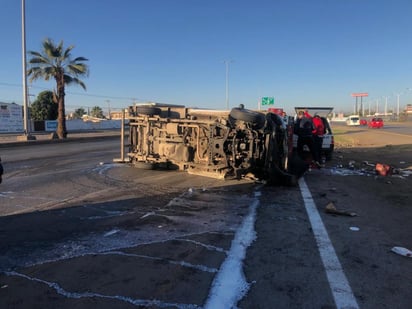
x=215 y=143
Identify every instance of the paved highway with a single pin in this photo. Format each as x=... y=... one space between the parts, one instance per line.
x=79 y=231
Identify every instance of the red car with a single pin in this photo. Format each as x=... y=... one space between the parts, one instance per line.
x=375 y=123
x=363 y=122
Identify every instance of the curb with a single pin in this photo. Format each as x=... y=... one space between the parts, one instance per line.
x=57 y=141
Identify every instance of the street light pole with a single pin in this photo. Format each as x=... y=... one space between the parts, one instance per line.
x=23 y=43
x=227 y=82
x=27 y=135
x=108 y=110
x=397 y=107
x=377 y=107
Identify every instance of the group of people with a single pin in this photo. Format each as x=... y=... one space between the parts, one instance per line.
x=310 y=130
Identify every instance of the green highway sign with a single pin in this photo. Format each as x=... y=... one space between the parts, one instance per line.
x=268 y=101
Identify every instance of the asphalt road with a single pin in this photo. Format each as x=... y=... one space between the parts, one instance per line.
x=77 y=230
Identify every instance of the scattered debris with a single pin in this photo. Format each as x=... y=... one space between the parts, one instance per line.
x=354 y=228
x=402 y=251
x=331 y=209
x=383 y=169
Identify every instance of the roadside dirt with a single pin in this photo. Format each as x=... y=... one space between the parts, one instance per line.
x=378 y=277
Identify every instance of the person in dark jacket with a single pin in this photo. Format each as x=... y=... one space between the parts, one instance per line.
x=303 y=129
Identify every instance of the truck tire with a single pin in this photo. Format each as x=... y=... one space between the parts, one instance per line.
x=328 y=155
x=144 y=165
x=255 y=118
x=148 y=110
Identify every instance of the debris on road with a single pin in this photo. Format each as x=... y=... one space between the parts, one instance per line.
x=331 y=209
x=383 y=169
x=402 y=251
x=367 y=168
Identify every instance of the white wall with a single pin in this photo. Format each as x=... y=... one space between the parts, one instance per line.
x=11 y=118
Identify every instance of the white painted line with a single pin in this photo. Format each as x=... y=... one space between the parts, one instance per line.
x=339 y=285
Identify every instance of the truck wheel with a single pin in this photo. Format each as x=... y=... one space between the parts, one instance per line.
x=257 y=119
x=144 y=165
x=148 y=110
x=328 y=155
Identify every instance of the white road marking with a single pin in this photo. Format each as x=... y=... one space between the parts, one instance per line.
x=341 y=290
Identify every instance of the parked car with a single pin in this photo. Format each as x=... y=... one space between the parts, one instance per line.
x=376 y=123
x=363 y=122
x=328 y=144
x=353 y=120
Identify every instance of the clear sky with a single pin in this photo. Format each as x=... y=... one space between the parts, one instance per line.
x=301 y=52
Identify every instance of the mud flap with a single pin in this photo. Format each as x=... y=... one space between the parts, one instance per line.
x=297 y=166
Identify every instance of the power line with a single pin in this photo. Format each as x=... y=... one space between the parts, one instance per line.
x=78 y=93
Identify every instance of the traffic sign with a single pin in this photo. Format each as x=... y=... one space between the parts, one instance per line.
x=268 y=101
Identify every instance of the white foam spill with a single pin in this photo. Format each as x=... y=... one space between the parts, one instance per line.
x=180 y=263
x=208 y=247
x=229 y=285
x=112 y=232
x=136 y=302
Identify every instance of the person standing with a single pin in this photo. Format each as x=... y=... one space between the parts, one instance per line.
x=318 y=132
x=304 y=130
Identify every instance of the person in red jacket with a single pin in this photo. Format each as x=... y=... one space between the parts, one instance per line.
x=318 y=138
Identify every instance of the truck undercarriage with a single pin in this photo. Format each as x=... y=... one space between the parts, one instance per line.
x=214 y=143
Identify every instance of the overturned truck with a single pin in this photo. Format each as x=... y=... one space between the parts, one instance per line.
x=215 y=143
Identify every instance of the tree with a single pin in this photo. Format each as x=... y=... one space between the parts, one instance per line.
x=43 y=108
x=78 y=113
x=97 y=112
x=55 y=62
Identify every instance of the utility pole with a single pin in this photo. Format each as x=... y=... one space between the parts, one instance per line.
x=26 y=135
x=227 y=82
x=397 y=109
x=377 y=107
x=108 y=107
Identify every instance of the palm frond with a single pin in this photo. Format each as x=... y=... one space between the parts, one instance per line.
x=78 y=69
x=68 y=80
x=80 y=59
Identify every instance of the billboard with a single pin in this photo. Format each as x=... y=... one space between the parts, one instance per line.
x=360 y=94
x=11 y=118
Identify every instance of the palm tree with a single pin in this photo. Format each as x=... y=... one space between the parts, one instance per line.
x=55 y=62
